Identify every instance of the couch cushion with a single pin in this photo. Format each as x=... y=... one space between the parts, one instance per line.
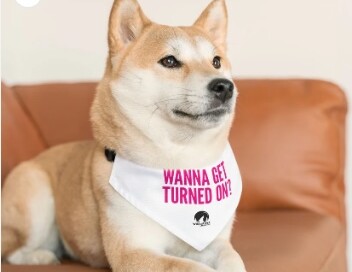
x=290 y=241
x=288 y=137
x=60 y=110
x=272 y=241
x=20 y=139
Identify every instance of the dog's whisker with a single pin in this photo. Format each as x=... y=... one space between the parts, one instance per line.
x=152 y=115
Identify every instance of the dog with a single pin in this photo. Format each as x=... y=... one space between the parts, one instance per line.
x=166 y=100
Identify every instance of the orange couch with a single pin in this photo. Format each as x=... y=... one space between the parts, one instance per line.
x=288 y=136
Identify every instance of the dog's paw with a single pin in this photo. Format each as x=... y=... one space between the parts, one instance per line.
x=43 y=257
x=36 y=257
x=233 y=265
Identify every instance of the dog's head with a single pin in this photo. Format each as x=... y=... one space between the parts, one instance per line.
x=175 y=76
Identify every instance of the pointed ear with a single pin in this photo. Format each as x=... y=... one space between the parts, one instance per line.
x=126 y=23
x=213 y=21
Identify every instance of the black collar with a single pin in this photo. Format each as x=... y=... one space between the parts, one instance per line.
x=109 y=154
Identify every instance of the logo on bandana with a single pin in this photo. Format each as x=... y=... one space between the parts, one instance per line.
x=201 y=219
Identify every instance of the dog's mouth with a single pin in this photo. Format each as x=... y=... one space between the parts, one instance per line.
x=208 y=114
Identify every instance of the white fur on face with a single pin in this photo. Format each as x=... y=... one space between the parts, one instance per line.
x=205 y=49
x=182 y=49
x=200 y=51
x=186 y=51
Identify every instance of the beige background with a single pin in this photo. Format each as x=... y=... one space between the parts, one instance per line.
x=65 y=40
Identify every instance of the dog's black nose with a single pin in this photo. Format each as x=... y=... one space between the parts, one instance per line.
x=222 y=88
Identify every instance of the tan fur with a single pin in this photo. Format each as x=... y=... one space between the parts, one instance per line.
x=97 y=226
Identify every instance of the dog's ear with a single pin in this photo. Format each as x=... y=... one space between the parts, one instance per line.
x=126 y=23
x=213 y=21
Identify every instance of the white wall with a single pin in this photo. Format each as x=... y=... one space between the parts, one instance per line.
x=66 y=40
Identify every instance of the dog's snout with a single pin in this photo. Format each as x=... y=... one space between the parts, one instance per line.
x=222 y=88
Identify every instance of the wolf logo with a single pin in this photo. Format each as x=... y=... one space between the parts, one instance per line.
x=198 y=216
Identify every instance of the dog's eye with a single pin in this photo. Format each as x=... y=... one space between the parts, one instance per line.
x=170 y=62
x=217 y=62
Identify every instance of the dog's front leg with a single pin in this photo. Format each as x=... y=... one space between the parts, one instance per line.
x=221 y=256
x=123 y=257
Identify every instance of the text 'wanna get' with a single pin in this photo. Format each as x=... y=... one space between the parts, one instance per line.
x=196 y=186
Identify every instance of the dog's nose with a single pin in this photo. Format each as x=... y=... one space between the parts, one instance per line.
x=222 y=88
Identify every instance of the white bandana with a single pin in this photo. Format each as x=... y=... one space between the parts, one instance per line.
x=193 y=204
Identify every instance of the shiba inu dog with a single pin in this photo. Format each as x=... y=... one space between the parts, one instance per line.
x=166 y=101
